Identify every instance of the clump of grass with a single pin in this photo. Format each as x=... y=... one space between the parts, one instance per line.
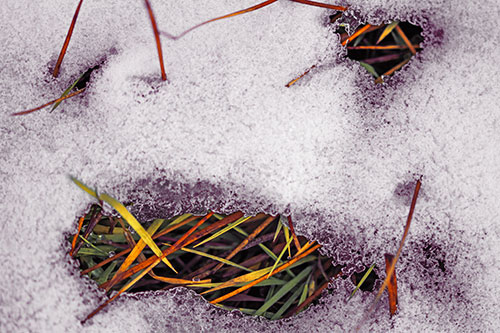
x=256 y=264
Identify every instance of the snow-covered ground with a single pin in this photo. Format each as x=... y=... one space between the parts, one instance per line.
x=336 y=151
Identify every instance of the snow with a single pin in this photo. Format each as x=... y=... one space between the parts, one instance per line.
x=336 y=151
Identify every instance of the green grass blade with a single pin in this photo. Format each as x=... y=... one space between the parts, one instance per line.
x=370 y=69
x=92 y=245
x=279 y=257
x=67 y=91
x=105 y=275
x=287 y=304
x=283 y=291
x=305 y=291
x=226 y=229
x=362 y=280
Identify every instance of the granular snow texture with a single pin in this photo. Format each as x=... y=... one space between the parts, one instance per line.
x=336 y=151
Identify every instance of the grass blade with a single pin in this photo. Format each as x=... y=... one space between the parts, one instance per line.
x=360 y=283
x=247 y=10
x=67 y=91
x=226 y=229
x=48 y=103
x=157 y=39
x=283 y=291
x=66 y=41
x=406 y=40
x=279 y=257
x=392 y=286
x=387 y=31
x=287 y=304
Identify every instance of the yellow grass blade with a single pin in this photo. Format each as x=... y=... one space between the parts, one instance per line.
x=240 y=279
x=287 y=239
x=226 y=229
x=129 y=218
x=280 y=256
x=387 y=31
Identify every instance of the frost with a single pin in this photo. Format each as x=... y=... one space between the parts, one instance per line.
x=224 y=133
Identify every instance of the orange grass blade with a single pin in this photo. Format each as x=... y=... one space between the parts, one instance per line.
x=390 y=271
x=73 y=243
x=295 y=238
x=392 y=70
x=157 y=38
x=322 y=5
x=247 y=10
x=406 y=40
x=49 y=103
x=299 y=77
x=356 y=34
x=381 y=47
x=392 y=287
x=66 y=41
x=276 y=271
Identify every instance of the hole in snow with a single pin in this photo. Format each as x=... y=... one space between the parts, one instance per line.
x=381 y=50
x=282 y=273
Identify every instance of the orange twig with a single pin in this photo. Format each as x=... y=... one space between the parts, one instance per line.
x=157 y=38
x=73 y=243
x=406 y=40
x=66 y=41
x=265 y=276
x=49 y=103
x=323 y=5
x=392 y=286
x=247 y=10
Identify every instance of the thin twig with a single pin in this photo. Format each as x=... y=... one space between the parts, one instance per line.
x=157 y=38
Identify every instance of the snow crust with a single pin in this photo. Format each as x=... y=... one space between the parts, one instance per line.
x=337 y=152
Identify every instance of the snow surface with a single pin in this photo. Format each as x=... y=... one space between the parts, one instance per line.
x=336 y=151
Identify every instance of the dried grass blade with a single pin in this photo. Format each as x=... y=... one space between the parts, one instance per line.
x=390 y=271
x=75 y=238
x=66 y=41
x=289 y=84
x=392 y=286
x=278 y=229
x=49 y=103
x=322 y=5
x=356 y=34
x=392 y=70
x=247 y=10
x=387 y=31
x=295 y=238
x=157 y=39
x=406 y=40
